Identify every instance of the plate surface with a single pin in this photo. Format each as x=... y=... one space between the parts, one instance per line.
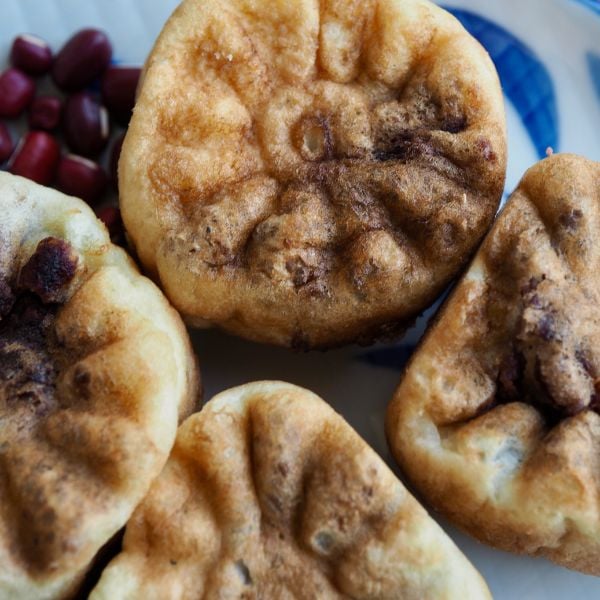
x=548 y=56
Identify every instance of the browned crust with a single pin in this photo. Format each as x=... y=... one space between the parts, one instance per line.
x=97 y=370
x=495 y=420
x=268 y=493
x=346 y=160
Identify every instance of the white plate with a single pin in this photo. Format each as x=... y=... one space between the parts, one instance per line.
x=548 y=56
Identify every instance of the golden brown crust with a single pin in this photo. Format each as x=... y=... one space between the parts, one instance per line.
x=96 y=370
x=326 y=168
x=495 y=417
x=268 y=493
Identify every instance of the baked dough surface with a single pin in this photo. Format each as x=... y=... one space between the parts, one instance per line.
x=269 y=493
x=96 y=370
x=496 y=417
x=311 y=173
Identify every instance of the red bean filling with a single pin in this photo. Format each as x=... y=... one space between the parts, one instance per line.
x=550 y=364
x=49 y=269
x=27 y=312
x=27 y=371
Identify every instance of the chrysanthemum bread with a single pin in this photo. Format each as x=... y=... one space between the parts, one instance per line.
x=96 y=370
x=311 y=173
x=496 y=417
x=268 y=493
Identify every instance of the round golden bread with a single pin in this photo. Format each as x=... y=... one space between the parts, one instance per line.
x=96 y=370
x=269 y=493
x=311 y=173
x=496 y=418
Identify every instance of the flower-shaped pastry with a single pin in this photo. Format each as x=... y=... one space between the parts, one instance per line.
x=311 y=173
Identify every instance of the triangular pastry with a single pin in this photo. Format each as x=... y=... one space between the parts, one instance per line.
x=269 y=493
x=496 y=418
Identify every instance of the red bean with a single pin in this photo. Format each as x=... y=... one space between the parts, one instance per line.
x=119 y=85
x=78 y=176
x=31 y=54
x=86 y=124
x=115 y=154
x=45 y=112
x=6 y=143
x=16 y=92
x=36 y=157
x=83 y=58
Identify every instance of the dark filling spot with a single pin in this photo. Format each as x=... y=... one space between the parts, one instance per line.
x=27 y=371
x=571 y=219
x=584 y=361
x=300 y=272
x=406 y=145
x=308 y=278
x=485 y=148
x=7 y=298
x=27 y=312
x=551 y=364
x=510 y=377
x=531 y=285
x=546 y=325
x=50 y=268
x=454 y=124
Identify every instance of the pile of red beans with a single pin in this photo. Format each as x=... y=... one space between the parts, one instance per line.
x=69 y=129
